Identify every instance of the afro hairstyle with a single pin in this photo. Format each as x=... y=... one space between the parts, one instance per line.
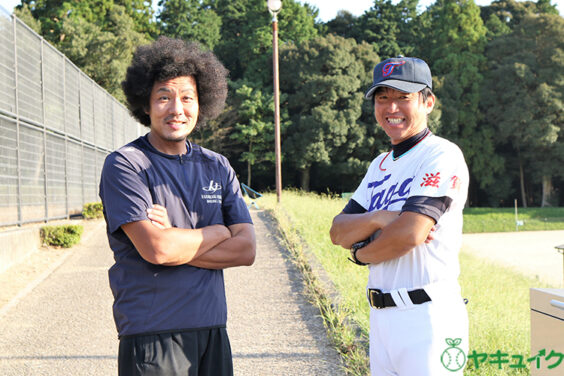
x=166 y=59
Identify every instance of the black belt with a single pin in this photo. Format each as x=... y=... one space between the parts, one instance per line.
x=380 y=300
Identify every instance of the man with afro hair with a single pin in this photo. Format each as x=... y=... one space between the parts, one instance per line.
x=175 y=218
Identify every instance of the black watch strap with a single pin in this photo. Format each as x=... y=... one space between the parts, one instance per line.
x=355 y=247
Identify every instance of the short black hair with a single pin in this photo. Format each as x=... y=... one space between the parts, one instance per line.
x=168 y=58
x=425 y=93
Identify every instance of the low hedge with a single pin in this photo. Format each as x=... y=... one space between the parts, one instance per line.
x=61 y=236
x=92 y=210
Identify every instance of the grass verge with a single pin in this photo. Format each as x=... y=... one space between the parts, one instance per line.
x=503 y=219
x=348 y=340
x=498 y=306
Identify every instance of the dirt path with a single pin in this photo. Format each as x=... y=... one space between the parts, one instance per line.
x=529 y=252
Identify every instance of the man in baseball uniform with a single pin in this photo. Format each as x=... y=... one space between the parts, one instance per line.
x=405 y=222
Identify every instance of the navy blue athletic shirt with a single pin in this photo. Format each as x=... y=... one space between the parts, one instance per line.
x=198 y=189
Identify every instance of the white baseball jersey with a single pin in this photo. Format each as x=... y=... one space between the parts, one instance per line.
x=433 y=168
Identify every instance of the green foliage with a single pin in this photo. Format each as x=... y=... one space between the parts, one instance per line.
x=345 y=25
x=61 y=236
x=24 y=14
x=496 y=27
x=390 y=27
x=497 y=75
x=53 y=13
x=246 y=35
x=499 y=318
x=531 y=62
x=141 y=12
x=324 y=79
x=102 y=54
x=503 y=219
x=190 y=20
x=98 y=36
x=254 y=127
x=216 y=134
x=458 y=79
x=311 y=215
x=93 y=210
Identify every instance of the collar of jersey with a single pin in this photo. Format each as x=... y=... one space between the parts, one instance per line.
x=404 y=147
x=145 y=140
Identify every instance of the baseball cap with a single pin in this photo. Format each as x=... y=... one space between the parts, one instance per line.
x=407 y=74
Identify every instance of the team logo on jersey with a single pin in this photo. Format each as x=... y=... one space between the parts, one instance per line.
x=388 y=68
x=431 y=180
x=210 y=196
x=213 y=187
x=382 y=199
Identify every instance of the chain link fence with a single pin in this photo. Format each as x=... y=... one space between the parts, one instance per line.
x=56 y=127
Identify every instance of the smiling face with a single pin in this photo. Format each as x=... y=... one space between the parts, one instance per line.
x=400 y=114
x=173 y=109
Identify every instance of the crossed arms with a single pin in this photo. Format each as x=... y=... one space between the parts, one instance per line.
x=400 y=233
x=210 y=247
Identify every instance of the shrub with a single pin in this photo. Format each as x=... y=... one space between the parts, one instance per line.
x=63 y=236
x=92 y=210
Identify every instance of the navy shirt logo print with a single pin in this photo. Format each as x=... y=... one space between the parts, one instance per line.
x=213 y=187
x=211 y=196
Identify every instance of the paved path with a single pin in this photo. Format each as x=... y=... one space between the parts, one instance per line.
x=62 y=323
x=529 y=252
x=273 y=330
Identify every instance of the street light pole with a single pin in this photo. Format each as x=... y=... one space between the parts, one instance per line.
x=274 y=7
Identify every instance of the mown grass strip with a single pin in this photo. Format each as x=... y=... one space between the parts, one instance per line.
x=503 y=219
x=351 y=345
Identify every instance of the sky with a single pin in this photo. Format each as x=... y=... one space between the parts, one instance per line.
x=328 y=8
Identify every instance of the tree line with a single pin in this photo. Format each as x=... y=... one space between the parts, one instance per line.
x=498 y=76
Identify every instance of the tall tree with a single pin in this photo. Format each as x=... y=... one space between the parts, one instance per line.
x=456 y=40
x=389 y=26
x=190 y=20
x=246 y=35
x=103 y=55
x=324 y=79
x=52 y=14
x=255 y=126
x=526 y=105
x=99 y=36
x=511 y=12
x=142 y=13
x=24 y=14
x=345 y=24
x=365 y=139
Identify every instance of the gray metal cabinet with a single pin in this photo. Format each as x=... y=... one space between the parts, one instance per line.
x=547 y=331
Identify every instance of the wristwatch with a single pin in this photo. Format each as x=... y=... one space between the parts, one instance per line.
x=355 y=247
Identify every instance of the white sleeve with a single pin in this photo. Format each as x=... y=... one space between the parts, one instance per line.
x=444 y=173
x=362 y=194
